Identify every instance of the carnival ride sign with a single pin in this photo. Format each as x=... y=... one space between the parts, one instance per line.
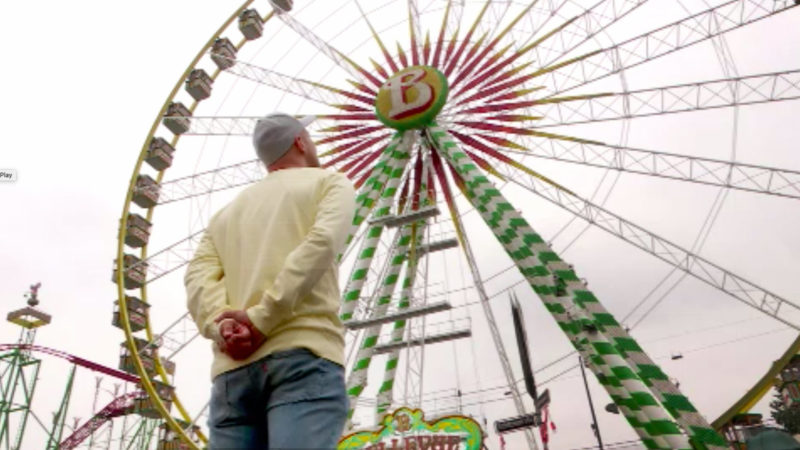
x=411 y=98
x=406 y=429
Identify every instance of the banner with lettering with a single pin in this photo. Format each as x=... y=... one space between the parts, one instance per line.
x=406 y=429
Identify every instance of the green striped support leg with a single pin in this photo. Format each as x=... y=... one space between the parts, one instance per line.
x=385 y=393
x=700 y=431
x=385 y=183
x=357 y=380
x=676 y=403
x=650 y=419
x=605 y=363
x=386 y=390
x=371 y=189
x=541 y=280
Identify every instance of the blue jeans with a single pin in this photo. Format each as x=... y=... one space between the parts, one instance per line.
x=291 y=399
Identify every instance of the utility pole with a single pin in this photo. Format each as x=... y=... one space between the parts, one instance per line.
x=595 y=428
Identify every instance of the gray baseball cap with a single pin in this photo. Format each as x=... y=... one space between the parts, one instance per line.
x=275 y=133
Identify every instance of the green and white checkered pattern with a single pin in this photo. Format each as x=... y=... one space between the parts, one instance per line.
x=386 y=390
x=548 y=277
x=700 y=431
x=357 y=380
x=385 y=393
x=382 y=186
x=384 y=183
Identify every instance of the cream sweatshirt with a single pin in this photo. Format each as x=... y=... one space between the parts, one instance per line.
x=272 y=252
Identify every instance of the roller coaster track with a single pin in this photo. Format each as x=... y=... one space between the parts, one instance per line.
x=73 y=359
x=119 y=406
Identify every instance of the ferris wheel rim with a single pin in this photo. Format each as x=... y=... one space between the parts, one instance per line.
x=144 y=377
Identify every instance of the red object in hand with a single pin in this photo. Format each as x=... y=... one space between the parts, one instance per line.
x=240 y=338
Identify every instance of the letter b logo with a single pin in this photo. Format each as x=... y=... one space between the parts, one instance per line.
x=411 y=98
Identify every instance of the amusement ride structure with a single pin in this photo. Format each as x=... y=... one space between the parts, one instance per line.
x=20 y=370
x=448 y=116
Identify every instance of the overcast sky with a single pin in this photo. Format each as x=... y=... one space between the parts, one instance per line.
x=82 y=85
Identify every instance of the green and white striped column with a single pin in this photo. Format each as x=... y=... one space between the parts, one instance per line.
x=383 y=183
x=542 y=282
x=648 y=417
x=357 y=380
x=678 y=405
x=651 y=422
x=385 y=393
x=371 y=189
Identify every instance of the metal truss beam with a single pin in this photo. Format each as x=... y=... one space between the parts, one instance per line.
x=436 y=246
x=400 y=314
x=753 y=89
x=18 y=376
x=584 y=27
x=453 y=19
x=734 y=175
x=415 y=27
x=494 y=18
x=540 y=16
x=662 y=41
x=243 y=126
x=171 y=258
x=177 y=336
x=302 y=88
x=704 y=270
x=208 y=182
x=502 y=355
x=222 y=126
x=414 y=342
x=205 y=183
x=320 y=44
x=552 y=44
x=392 y=221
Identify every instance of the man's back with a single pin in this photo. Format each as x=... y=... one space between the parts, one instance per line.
x=277 y=242
x=262 y=286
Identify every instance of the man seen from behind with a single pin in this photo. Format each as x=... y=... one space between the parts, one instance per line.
x=263 y=286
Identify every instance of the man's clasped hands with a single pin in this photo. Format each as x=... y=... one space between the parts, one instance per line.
x=239 y=337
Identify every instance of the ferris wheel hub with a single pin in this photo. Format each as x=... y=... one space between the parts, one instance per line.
x=411 y=98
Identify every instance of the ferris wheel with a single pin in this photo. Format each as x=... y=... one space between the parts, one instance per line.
x=497 y=147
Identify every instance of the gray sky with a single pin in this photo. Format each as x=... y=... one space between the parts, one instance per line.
x=82 y=89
